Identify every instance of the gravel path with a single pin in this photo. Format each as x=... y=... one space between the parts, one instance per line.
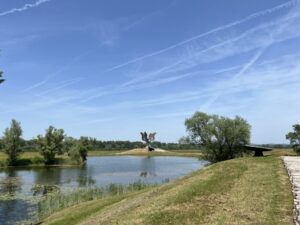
x=292 y=165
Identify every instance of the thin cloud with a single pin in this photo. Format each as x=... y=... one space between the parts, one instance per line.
x=34 y=86
x=204 y=56
x=224 y=27
x=280 y=29
x=256 y=37
x=244 y=69
x=24 y=8
x=57 y=72
x=62 y=85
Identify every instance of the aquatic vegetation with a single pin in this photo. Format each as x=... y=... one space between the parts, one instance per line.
x=56 y=200
x=40 y=189
x=8 y=186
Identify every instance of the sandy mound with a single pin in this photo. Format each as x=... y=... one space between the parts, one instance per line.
x=140 y=151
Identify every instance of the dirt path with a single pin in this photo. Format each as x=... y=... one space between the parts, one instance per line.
x=293 y=167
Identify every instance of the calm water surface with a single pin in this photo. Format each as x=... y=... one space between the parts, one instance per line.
x=16 y=185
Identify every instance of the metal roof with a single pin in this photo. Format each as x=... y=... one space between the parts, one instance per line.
x=257 y=147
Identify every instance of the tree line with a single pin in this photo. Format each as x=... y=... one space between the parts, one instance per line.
x=99 y=145
x=219 y=138
x=54 y=142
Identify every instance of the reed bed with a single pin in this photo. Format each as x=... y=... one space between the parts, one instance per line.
x=56 y=201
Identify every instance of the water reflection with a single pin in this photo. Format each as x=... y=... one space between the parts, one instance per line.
x=14 y=210
x=44 y=189
x=11 y=183
x=24 y=186
x=147 y=167
x=47 y=175
x=84 y=177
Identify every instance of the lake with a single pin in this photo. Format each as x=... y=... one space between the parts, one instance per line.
x=17 y=198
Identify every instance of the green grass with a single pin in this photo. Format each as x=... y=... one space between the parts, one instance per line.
x=241 y=191
x=25 y=159
x=186 y=153
x=281 y=152
x=79 y=212
x=56 y=201
x=103 y=153
x=36 y=159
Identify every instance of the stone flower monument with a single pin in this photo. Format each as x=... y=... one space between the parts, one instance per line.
x=148 y=139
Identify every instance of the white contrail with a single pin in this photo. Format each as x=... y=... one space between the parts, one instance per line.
x=63 y=84
x=224 y=27
x=244 y=69
x=229 y=41
x=35 y=85
x=24 y=8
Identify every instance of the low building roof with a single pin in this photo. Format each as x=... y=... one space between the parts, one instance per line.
x=257 y=147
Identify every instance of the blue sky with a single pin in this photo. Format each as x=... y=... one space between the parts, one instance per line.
x=110 y=69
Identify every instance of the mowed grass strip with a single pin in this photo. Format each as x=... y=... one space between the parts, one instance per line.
x=249 y=190
x=78 y=213
x=241 y=191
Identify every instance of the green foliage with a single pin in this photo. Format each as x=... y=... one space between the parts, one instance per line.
x=222 y=138
x=294 y=138
x=184 y=140
x=79 y=151
x=57 y=201
x=68 y=144
x=32 y=146
x=51 y=144
x=12 y=142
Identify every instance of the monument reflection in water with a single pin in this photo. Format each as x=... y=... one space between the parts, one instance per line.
x=20 y=188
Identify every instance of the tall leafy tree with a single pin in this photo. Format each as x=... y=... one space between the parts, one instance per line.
x=221 y=138
x=12 y=142
x=294 y=138
x=68 y=144
x=85 y=144
x=80 y=151
x=51 y=144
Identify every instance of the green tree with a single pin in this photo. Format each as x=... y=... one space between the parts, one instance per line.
x=221 y=138
x=294 y=138
x=84 y=145
x=1 y=79
x=51 y=144
x=184 y=141
x=68 y=144
x=12 y=142
x=80 y=151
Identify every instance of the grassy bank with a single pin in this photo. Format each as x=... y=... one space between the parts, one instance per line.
x=240 y=191
x=57 y=201
x=142 y=152
x=36 y=159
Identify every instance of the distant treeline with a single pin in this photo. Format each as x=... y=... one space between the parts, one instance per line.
x=31 y=145
x=277 y=145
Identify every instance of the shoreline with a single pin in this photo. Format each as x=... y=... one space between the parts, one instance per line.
x=28 y=156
